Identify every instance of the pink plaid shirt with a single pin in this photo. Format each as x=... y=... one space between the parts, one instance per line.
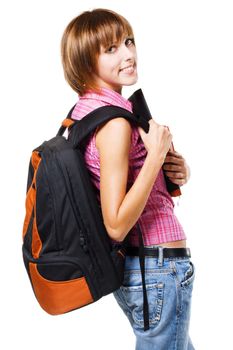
x=158 y=222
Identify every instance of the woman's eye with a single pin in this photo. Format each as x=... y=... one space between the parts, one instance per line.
x=109 y=50
x=131 y=39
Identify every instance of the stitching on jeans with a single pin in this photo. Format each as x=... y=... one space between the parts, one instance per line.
x=149 y=272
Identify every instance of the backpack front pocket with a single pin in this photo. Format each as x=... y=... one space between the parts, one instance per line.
x=66 y=293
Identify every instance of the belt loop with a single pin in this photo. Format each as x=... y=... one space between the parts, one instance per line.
x=160 y=259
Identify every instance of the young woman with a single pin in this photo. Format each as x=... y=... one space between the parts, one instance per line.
x=99 y=57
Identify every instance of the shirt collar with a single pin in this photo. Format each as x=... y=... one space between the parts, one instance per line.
x=110 y=96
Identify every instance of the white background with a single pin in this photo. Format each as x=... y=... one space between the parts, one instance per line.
x=185 y=71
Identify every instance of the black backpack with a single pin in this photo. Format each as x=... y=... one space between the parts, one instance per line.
x=69 y=257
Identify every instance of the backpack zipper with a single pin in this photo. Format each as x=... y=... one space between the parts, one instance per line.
x=77 y=215
x=54 y=259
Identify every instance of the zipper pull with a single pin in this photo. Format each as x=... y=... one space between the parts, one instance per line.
x=83 y=242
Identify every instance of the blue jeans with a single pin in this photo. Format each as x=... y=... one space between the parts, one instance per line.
x=169 y=284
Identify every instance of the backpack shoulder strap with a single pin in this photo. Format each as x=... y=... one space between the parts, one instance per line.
x=66 y=122
x=139 y=104
x=140 y=111
x=98 y=117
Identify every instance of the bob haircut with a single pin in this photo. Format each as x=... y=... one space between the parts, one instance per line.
x=81 y=45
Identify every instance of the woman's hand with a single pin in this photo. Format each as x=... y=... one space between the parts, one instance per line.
x=157 y=141
x=179 y=171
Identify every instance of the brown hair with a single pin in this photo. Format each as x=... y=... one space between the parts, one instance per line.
x=81 y=45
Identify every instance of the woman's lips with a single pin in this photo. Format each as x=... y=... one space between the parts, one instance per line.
x=128 y=70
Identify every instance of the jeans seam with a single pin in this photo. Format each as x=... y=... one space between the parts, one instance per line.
x=178 y=306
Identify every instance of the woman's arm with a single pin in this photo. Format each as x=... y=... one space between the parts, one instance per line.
x=121 y=210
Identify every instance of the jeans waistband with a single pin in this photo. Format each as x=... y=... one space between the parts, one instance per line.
x=159 y=252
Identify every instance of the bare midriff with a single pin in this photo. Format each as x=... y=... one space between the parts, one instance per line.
x=174 y=244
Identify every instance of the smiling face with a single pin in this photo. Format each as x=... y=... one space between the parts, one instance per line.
x=111 y=64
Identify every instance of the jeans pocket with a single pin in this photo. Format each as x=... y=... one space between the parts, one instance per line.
x=189 y=275
x=133 y=297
